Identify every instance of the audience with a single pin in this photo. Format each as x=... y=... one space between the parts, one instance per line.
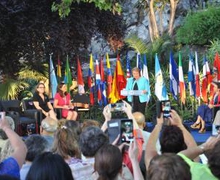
x=74 y=126
x=200 y=171
x=66 y=145
x=90 y=122
x=49 y=166
x=173 y=139
x=108 y=162
x=168 y=167
x=41 y=102
x=48 y=128
x=36 y=145
x=62 y=100
x=11 y=166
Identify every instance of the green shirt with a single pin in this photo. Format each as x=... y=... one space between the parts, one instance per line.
x=198 y=171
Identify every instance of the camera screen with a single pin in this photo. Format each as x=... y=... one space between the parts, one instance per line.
x=166 y=108
x=117 y=106
x=127 y=131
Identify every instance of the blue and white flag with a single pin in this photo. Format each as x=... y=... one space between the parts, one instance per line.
x=145 y=72
x=139 y=64
x=53 y=78
x=174 y=77
x=191 y=77
x=160 y=88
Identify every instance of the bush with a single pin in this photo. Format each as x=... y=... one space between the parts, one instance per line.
x=201 y=27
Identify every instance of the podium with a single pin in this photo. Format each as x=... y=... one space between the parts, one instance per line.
x=125 y=92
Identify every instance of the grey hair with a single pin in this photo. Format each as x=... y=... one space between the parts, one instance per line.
x=50 y=125
x=36 y=145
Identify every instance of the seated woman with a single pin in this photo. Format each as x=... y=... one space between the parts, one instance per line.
x=205 y=112
x=41 y=102
x=62 y=100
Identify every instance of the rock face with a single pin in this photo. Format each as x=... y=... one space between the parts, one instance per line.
x=136 y=19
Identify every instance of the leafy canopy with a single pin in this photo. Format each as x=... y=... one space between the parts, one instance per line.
x=64 y=7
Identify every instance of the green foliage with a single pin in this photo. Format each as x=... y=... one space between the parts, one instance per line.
x=213 y=48
x=11 y=88
x=200 y=27
x=64 y=7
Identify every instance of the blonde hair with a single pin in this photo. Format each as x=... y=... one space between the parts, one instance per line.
x=139 y=118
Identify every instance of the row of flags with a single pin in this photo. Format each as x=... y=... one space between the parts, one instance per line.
x=199 y=86
x=108 y=90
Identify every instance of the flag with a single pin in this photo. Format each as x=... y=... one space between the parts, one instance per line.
x=98 y=82
x=128 y=67
x=198 y=90
x=109 y=75
x=68 y=75
x=160 y=88
x=91 y=84
x=217 y=64
x=139 y=64
x=206 y=79
x=59 y=70
x=191 y=77
x=119 y=82
x=80 y=82
x=53 y=78
x=174 y=77
x=103 y=83
x=145 y=71
x=181 y=81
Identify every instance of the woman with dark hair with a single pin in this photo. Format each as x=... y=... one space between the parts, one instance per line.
x=41 y=102
x=168 y=166
x=62 y=100
x=108 y=162
x=49 y=166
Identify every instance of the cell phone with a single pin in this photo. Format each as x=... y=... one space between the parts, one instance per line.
x=215 y=129
x=2 y=115
x=117 y=106
x=127 y=134
x=165 y=108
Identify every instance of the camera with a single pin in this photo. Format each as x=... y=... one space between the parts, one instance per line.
x=163 y=107
x=117 y=107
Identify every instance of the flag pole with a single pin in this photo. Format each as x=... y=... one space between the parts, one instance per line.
x=49 y=84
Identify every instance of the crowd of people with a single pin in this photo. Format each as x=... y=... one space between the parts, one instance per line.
x=67 y=149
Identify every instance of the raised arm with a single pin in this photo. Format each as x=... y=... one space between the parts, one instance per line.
x=133 y=154
x=17 y=144
x=151 y=149
x=108 y=115
x=193 y=152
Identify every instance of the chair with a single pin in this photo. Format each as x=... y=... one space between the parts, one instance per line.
x=82 y=101
x=58 y=111
x=28 y=106
x=13 y=109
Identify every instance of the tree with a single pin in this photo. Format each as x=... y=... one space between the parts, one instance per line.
x=173 y=5
x=30 y=31
x=64 y=7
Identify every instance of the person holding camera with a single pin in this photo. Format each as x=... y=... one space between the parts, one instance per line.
x=138 y=83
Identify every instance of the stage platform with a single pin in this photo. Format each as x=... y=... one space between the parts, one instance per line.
x=199 y=138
